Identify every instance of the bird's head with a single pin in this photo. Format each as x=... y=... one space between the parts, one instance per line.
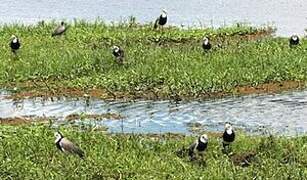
x=14 y=39
x=203 y=138
x=164 y=13
x=58 y=135
x=206 y=40
x=294 y=37
x=62 y=23
x=228 y=128
x=115 y=49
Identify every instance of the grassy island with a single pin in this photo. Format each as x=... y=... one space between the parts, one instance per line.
x=168 y=63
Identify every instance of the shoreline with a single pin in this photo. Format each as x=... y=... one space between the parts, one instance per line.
x=267 y=88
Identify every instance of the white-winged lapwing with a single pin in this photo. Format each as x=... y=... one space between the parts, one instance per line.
x=15 y=44
x=119 y=54
x=228 y=136
x=198 y=147
x=206 y=44
x=161 y=20
x=59 y=30
x=294 y=40
x=66 y=145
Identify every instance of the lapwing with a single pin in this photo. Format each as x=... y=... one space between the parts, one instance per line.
x=119 y=54
x=66 y=145
x=206 y=44
x=294 y=40
x=15 y=44
x=161 y=20
x=198 y=147
x=228 y=136
x=59 y=30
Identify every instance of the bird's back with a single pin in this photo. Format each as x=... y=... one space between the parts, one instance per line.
x=70 y=147
x=59 y=30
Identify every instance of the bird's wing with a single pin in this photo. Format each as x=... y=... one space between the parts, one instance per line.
x=68 y=146
x=122 y=54
x=59 y=30
x=192 y=149
x=156 y=23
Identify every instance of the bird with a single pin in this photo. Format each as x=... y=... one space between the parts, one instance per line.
x=228 y=136
x=161 y=20
x=198 y=147
x=294 y=40
x=59 y=30
x=119 y=54
x=66 y=145
x=15 y=44
x=206 y=44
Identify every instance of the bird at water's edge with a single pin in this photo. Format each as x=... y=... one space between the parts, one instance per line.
x=119 y=54
x=14 y=44
x=206 y=44
x=198 y=147
x=294 y=40
x=161 y=20
x=59 y=30
x=228 y=136
x=66 y=145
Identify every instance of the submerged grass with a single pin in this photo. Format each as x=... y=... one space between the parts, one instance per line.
x=28 y=152
x=169 y=61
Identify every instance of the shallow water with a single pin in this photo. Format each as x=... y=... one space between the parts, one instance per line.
x=287 y=15
x=282 y=113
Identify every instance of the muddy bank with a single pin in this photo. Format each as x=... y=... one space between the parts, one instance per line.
x=28 y=90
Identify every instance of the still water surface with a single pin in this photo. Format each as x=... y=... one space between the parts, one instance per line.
x=289 y=16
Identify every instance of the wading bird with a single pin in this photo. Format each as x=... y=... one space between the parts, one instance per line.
x=206 y=44
x=198 y=147
x=161 y=20
x=294 y=40
x=66 y=145
x=119 y=54
x=15 y=44
x=228 y=136
x=59 y=30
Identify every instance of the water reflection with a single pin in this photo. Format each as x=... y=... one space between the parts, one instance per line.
x=287 y=15
x=283 y=113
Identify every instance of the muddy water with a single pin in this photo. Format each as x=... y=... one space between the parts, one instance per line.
x=287 y=15
x=283 y=113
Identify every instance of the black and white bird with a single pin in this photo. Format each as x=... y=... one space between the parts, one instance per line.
x=161 y=20
x=206 y=44
x=228 y=136
x=198 y=147
x=15 y=44
x=59 y=30
x=294 y=40
x=119 y=54
x=66 y=145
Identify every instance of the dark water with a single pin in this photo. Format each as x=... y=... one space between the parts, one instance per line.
x=289 y=16
x=285 y=114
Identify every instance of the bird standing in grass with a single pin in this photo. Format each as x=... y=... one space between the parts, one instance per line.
x=119 y=54
x=228 y=136
x=206 y=44
x=294 y=40
x=15 y=44
x=59 y=30
x=161 y=20
x=198 y=147
x=66 y=145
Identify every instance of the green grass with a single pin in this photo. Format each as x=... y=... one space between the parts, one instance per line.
x=169 y=61
x=29 y=152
